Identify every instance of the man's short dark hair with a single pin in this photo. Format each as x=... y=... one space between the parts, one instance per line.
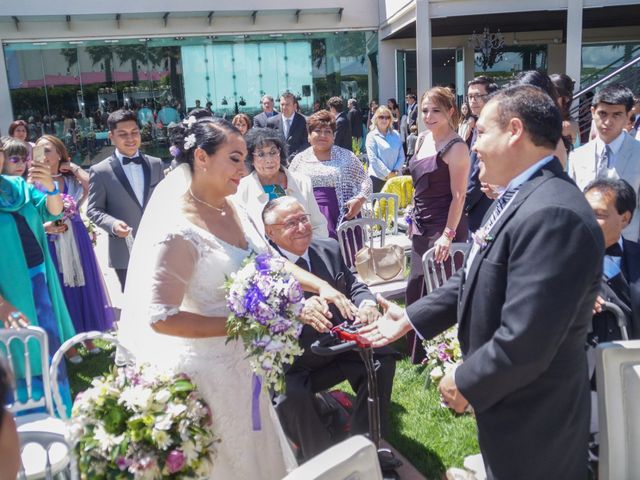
x=487 y=82
x=411 y=95
x=614 y=95
x=540 y=115
x=121 y=115
x=623 y=192
x=337 y=103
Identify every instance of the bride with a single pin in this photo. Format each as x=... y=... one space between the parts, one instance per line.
x=192 y=237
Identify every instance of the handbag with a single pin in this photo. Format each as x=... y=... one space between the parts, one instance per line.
x=380 y=264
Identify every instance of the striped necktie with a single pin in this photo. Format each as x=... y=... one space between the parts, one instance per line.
x=500 y=204
x=603 y=163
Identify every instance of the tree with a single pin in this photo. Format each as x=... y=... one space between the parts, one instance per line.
x=134 y=54
x=104 y=56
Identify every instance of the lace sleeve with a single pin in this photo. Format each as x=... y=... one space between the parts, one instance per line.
x=174 y=268
x=362 y=185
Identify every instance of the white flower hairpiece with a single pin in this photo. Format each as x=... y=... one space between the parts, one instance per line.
x=190 y=121
x=189 y=141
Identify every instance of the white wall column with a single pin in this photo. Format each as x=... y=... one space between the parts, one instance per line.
x=386 y=71
x=6 y=111
x=574 y=40
x=423 y=49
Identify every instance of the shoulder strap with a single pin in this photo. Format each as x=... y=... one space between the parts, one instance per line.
x=451 y=143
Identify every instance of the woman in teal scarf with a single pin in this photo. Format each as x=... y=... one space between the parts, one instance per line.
x=28 y=279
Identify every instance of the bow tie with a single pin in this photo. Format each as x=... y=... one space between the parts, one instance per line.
x=614 y=250
x=137 y=160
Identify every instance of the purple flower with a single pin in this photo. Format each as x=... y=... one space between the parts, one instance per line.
x=174 y=151
x=175 y=461
x=280 y=325
x=252 y=300
x=260 y=343
x=264 y=313
x=122 y=463
x=263 y=263
x=295 y=293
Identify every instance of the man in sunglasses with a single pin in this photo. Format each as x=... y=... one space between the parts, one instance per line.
x=288 y=227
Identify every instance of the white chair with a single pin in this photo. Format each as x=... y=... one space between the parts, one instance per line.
x=43 y=423
x=44 y=455
x=436 y=274
x=369 y=231
x=125 y=355
x=353 y=459
x=385 y=207
x=618 y=379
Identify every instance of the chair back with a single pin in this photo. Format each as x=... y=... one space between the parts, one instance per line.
x=351 y=459
x=354 y=234
x=45 y=455
x=123 y=356
x=436 y=274
x=618 y=380
x=402 y=186
x=19 y=346
x=385 y=207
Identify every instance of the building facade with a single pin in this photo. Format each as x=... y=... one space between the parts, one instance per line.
x=66 y=71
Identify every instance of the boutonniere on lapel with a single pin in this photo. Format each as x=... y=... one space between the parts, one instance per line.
x=482 y=237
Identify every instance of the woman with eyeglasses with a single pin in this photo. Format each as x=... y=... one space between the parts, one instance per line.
x=28 y=277
x=384 y=148
x=269 y=179
x=340 y=184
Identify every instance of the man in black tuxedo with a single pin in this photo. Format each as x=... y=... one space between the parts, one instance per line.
x=261 y=119
x=342 y=136
x=523 y=300
x=613 y=201
x=476 y=203
x=287 y=226
x=120 y=187
x=291 y=124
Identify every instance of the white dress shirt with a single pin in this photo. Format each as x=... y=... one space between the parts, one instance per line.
x=135 y=175
x=287 y=126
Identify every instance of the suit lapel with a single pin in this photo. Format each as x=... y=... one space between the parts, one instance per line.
x=146 y=170
x=549 y=170
x=118 y=171
x=624 y=156
x=319 y=266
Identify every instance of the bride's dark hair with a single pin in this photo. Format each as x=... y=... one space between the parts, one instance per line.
x=208 y=134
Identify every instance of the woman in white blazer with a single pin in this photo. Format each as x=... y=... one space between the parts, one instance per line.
x=270 y=179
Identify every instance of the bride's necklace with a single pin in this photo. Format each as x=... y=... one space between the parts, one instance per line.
x=219 y=210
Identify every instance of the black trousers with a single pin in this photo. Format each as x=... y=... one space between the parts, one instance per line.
x=122 y=277
x=296 y=407
x=377 y=184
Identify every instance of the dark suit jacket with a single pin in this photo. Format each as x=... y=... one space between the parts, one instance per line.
x=111 y=198
x=476 y=203
x=523 y=314
x=327 y=264
x=260 y=120
x=297 y=138
x=625 y=293
x=343 y=131
x=355 y=120
x=412 y=116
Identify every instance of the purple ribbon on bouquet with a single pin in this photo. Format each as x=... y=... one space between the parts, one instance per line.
x=255 y=402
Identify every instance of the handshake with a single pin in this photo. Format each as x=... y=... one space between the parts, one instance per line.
x=380 y=330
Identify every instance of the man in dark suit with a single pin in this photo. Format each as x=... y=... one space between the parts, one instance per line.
x=287 y=226
x=342 y=136
x=260 y=120
x=613 y=201
x=412 y=110
x=291 y=124
x=476 y=203
x=120 y=187
x=355 y=119
x=523 y=300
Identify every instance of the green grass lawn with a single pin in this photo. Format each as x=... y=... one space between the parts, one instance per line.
x=429 y=436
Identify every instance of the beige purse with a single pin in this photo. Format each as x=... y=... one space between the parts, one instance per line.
x=380 y=264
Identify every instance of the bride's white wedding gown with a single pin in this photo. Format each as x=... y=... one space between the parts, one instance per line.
x=191 y=268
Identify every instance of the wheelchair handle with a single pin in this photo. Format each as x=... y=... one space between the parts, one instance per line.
x=323 y=346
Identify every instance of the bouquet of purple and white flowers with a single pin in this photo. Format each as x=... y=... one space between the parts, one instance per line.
x=265 y=302
x=443 y=353
x=70 y=207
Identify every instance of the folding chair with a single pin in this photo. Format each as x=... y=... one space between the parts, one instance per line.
x=436 y=274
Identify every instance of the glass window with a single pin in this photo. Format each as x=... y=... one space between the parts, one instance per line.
x=514 y=59
x=600 y=59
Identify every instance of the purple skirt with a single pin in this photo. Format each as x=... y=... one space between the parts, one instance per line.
x=329 y=206
x=89 y=305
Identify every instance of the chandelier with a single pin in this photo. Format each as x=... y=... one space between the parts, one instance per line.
x=490 y=45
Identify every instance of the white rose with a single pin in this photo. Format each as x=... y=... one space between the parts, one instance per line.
x=436 y=373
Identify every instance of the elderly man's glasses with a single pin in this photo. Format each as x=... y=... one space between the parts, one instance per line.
x=15 y=160
x=270 y=154
x=293 y=223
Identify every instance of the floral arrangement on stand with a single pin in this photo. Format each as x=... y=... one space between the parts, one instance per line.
x=443 y=353
x=140 y=423
x=265 y=302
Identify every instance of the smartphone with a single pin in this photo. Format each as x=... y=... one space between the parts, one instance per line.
x=37 y=153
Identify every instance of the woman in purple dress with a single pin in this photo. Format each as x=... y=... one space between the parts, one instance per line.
x=72 y=250
x=339 y=181
x=439 y=169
